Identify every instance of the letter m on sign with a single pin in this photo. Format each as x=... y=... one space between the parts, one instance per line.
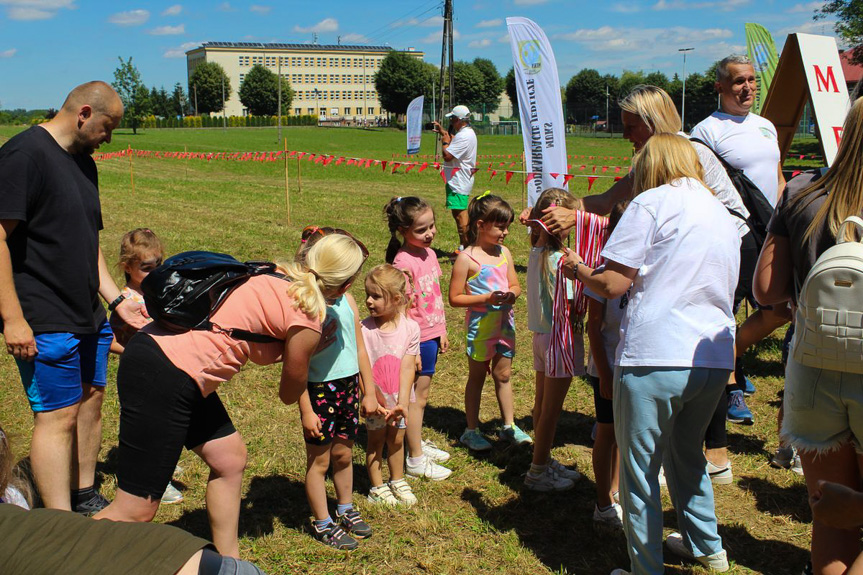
x=825 y=81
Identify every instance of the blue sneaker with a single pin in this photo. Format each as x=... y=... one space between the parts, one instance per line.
x=737 y=410
x=473 y=440
x=748 y=387
x=514 y=435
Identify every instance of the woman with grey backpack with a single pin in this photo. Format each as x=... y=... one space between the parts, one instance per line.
x=813 y=257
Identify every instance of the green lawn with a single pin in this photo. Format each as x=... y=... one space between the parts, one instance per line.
x=478 y=521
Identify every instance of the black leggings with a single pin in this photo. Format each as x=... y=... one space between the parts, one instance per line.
x=161 y=410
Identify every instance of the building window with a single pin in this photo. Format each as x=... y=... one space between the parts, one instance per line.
x=347 y=111
x=244 y=60
x=242 y=77
x=371 y=110
x=323 y=112
x=311 y=111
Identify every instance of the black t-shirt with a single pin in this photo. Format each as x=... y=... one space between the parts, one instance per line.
x=55 y=246
x=792 y=223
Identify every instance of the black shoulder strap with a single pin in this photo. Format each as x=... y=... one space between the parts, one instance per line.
x=243 y=334
x=725 y=164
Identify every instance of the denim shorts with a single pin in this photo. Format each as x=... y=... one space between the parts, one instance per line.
x=823 y=408
x=65 y=361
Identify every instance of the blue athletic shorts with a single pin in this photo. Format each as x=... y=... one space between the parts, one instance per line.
x=429 y=351
x=63 y=363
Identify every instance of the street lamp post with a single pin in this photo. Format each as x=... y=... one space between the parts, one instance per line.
x=318 y=105
x=683 y=97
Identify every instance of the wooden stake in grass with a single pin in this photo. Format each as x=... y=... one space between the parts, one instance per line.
x=287 y=190
x=186 y=151
x=523 y=184
x=131 y=169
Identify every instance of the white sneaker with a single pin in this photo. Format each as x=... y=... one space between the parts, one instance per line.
x=435 y=454
x=548 y=481
x=428 y=468
x=720 y=475
x=662 y=482
x=382 y=494
x=403 y=492
x=564 y=471
x=717 y=561
x=611 y=517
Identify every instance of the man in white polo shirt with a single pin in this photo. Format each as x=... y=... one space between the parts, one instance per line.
x=459 y=153
x=748 y=142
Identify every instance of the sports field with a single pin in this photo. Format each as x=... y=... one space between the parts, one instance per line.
x=477 y=521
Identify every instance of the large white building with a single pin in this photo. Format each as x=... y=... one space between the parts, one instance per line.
x=328 y=80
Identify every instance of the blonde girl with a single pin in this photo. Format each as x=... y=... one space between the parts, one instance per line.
x=411 y=222
x=393 y=343
x=484 y=281
x=546 y=473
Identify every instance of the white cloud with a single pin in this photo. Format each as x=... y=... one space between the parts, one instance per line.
x=225 y=7
x=35 y=9
x=174 y=10
x=822 y=27
x=430 y=22
x=259 y=9
x=180 y=51
x=808 y=7
x=720 y=5
x=353 y=38
x=625 y=8
x=435 y=37
x=325 y=25
x=484 y=43
x=528 y=2
x=504 y=39
x=168 y=30
x=130 y=18
x=8 y=53
x=490 y=23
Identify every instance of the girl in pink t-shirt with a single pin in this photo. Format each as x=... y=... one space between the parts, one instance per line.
x=393 y=343
x=413 y=219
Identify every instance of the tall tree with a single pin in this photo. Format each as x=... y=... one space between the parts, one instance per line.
x=205 y=84
x=179 y=101
x=400 y=79
x=657 y=79
x=469 y=85
x=512 y=91
x=585 y=96
x=133 y=93
x=259 y=92
x=492 y=86
x=849 y=23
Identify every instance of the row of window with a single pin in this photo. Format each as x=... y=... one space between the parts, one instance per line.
x=331 y=78
x=329 y=111
x=335 y=95
x=273 y=61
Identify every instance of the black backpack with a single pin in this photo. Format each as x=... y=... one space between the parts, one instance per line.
x=760 y=210
x=187 y=289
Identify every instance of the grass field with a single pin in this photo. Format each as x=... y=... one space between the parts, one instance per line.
x=478 y=521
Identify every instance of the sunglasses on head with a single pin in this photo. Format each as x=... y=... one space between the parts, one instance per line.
x=309 y=233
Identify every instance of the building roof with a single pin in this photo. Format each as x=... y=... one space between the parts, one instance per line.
x=281 y=46
x=853 y=72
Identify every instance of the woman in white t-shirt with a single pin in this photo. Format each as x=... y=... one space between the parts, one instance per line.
x=681 y=253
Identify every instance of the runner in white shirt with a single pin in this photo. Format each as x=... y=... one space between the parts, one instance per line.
x=459 y=153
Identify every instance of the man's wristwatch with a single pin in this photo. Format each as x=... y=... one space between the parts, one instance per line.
x=113 y=305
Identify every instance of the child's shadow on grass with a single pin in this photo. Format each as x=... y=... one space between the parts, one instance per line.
x=267 y=499
x=773 y=499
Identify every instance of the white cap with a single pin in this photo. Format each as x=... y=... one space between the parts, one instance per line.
x=460 y=112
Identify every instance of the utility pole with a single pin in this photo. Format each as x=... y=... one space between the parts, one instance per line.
x=446 y=60
x=365 y=103
x=683 y=96
x=607 y=119
x=280 y=98
x=196 y=98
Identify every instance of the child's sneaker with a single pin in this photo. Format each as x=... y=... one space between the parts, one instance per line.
x=662 y=481
x=427 y=468
x=171 y=495
x=351 y=522
x=473 y=440
x=737 y=410
x=720 y=475
x=786 y=457
x=335 y=537
x=402 y=492
x=611 y=517
x=382 y=494
x=434 y=453
x=717 y=561
x=514 y=435
x=547 y=481
x=748 y=387
x=563 y=470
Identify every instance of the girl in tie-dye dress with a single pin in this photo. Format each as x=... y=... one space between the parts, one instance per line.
x=484 y=281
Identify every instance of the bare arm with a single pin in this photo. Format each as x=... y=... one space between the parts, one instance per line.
x=300 y=346
x=311 y=422
x=370 y=402
x=563 y=219
x=512 y=278
x=781 y=189
x=774 y=272
x=131 y=312
x=457 y=283
x=597 y=346
x=611 y=282
x=20 y=342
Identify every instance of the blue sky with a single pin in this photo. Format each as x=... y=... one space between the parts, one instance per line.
x=49 y=46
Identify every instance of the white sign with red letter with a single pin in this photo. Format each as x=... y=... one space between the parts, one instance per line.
x=827 y=89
